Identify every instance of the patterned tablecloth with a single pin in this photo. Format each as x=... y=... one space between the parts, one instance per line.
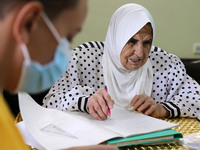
x=186 y=126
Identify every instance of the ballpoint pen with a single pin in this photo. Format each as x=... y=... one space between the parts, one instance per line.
x=109 y=112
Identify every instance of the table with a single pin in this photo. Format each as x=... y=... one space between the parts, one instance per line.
x=186 y=126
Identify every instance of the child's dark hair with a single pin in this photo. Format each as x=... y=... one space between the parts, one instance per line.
x=52 y=7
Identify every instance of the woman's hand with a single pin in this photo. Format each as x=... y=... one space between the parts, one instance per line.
x=147 y=105
x=99 y=103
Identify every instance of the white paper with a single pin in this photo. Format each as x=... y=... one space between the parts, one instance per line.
x=129 y=123
x=55 y=129
x=75 y=131
x=28 y=139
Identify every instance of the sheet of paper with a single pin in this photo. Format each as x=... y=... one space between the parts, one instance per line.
x=126 y=122
x=28 y=139
x=55 y=129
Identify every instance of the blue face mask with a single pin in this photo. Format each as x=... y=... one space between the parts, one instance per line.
x=36 y=78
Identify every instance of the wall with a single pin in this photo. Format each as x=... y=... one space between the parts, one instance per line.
x=177 y=23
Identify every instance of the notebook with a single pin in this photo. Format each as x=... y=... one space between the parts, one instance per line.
x=54 y=129
x=159 y=137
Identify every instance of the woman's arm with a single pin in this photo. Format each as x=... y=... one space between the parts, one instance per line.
x=83 y=77
x=172 y=87
x=183 y=99
x=68 y=93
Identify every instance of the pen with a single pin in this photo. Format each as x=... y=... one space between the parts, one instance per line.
x=109 y=113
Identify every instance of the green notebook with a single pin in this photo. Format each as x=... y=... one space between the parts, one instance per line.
x=159 y=137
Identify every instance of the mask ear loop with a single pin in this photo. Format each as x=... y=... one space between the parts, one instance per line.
x=27 y=59
x=65 y=50
x=27 y=62
x=51 y=27
x=56 y=34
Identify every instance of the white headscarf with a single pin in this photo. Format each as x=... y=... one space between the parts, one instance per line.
x=122 y=84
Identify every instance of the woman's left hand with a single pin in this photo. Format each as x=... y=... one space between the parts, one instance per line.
x=147 y=105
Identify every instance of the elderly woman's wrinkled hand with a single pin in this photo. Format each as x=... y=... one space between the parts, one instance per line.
x=147 y=105
x=99 y=103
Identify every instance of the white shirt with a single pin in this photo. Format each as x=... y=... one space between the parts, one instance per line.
x=172 y=87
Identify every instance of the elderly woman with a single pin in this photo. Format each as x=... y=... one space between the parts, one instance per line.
x=134 y=73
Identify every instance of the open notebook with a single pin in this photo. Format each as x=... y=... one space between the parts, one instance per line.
x=54 y=129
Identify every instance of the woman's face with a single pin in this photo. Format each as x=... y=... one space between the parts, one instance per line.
x=136 y=51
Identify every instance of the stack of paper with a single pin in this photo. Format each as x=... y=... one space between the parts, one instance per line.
x=54 y=129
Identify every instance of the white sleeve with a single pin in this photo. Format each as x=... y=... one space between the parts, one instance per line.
x=183 y=93
x=68 y=93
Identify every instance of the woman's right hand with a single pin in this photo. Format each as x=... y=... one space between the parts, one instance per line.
x=99 y=103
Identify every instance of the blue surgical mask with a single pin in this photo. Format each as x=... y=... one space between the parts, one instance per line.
x=36 y=78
